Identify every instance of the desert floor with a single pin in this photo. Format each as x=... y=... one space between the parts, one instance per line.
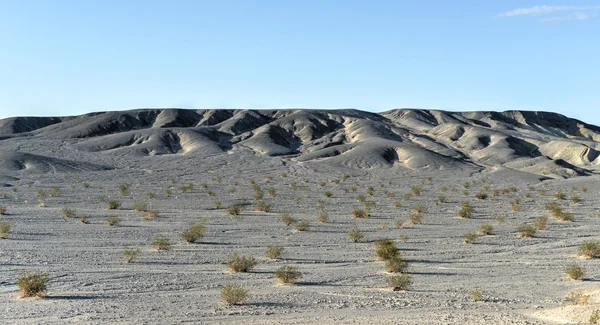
x=522 y=279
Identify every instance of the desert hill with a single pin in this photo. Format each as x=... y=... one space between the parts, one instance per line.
x=540 y=143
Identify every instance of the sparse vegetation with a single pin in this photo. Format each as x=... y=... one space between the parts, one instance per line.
x=359 y=213
x=287 y=219
x=149 y=215
x=68 y=212
x=235 y=210
x=396 y=264
x=141 y=206
x=595 y=316
x=274 y=252
x=2 y=210
x=486 y=229
x=470 y=237
x=113 y=204
x=233 y=294
x=323 y=217
x=577 y=298
x=131 y=255
x=476 y=295
x=466 y=210
x=4 y=229
x=575 y=272
x=124 y=189
x=386 y=249
x=161 y=243
x=288 y=274
x=262 y=206
x=540 y=223
x=239 y=263
x=194 y=232
x=33 y=284
x=400 y=282
x=356 y=234
x=526 y=231
x=589 y=249
x=302 y=226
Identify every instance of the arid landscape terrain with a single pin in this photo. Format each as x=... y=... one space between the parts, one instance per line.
x=487 y=211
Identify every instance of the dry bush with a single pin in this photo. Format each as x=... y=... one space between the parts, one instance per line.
x=67 y=212
x=470 y=237
x=400 y=282
x=149 y=215
x=418 y=208
x=466 y=210
x=515 y=205
x=323 y=217
x=559 y=195
x=287 y=219
x=406 y=196
x=124 y=189
x=131 y=255
x=595 y=316
x=2 y=210
x=140 y=206
x=239 y=263
x=33 y=284
x=194 y=232
x=235 y=210
x=589 y=249
x=440 y=199
x=359 y=213
x=540 y=223
x=327 y=194
x=272 y=192
x=577 y=298
x=274 y=252
x=415 y=218
x=575 y=199
x=356 y=234
x=161 y=243
x=302 y=226
x=415 y=190
x=361 y=198
x=113 y=204
x=83 y=218
x=54 y=192
x=370 y=191
x=476 y=295
x=4 y=229
x=526 y=231
x=386 y=249
x=218 y=204
x=397 y=204
x=500 y=220
x=575 y=272
x=262 y=206
x=481 y=195
x=233 y=294
x=486 y=229
x=396 y=264
x=288 y=274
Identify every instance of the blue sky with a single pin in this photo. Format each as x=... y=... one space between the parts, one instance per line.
x=71 y=57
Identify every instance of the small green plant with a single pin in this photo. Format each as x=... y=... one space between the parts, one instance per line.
x=288 y=274
x=466 y=210
x=287 y=219
x=575 y=272
x=67 y=212
x=141 y=206
x=131 y=255
x=233 y=294
x=526 y=231
x=33 y=284
x=470 y=237
x=401 y=282
x=274 y=252
x=356 y=234
x=500 y=220
x=161 y=243
x=194 y=232
x=4 y=229
x=476 y=295
x=386 y=249
x=124 y=189
x=323 y=217
x=302 y=226
x=239 y=263
x=113 y=204
x=589 y=249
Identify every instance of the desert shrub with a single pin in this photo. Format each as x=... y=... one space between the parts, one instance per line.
x=415 y=190
x=262 y=206
x=274 y=252
x=595 y=316
x=466 y=185
x=370 y=190
x=186 y=188
x=259 y=195
x=297 y=200
x=466 y=210
x=287 y=219
x=400 y=282
x=272 y=192
x=356 y=234
x=149 y=215
x=470 y=237
x=540 y=223
x=131 y=255
x=302 y=226
x=589 y=249
x=233 y=294
x=415 y=218
x=390 y=195
x=481 y=195
x=577 y=298
x=575 y=199
x=526 y=231
x=150 y=195
x=113 y=204
x=54 y=192
x=218 y=204
x=194 y=232
x=396 y=264
x=575 y=272
x=288 y=274
x=210 y=193
x=385 y=249
x=321 y=205
x=345 y=176
x=161 y=243
x=486 y=229
x=327 y=194
x=140 y=206
x=124 y=189
x=406 y=196
x=359 y=213
x=418 y=208
x=440 y=199
x=2 y=210
x=235 y=210
x=500 y=220
x=33 y=284
x=239 y=263
x=476 y=295
x=559 y=195
x=83 y=218
x=67 y=212
x=323 y=217
x=515 y=205
x=404 y=238
x=369 y=204
x=397 y=204
x=4 y=229
x=361 y=198
x=584 y=189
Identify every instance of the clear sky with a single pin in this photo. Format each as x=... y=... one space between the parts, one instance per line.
x=60 y=57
